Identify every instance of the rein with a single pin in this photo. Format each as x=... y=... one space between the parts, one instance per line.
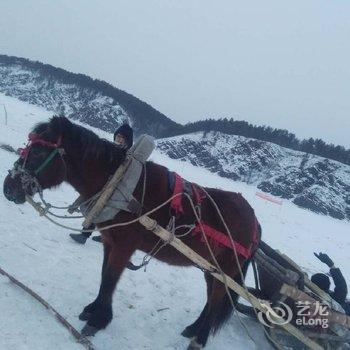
x=45 y=163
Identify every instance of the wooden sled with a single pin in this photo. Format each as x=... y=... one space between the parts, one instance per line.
x=280 y=280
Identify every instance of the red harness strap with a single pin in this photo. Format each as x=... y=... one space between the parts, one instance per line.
x=221 y=238
x=36 y=139
x=176 y=203
x=198 y=193
x=216 y=236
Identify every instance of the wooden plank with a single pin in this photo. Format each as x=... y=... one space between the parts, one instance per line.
x=325 y=336
x=272 y=267
x=107 y=192
x=332 y=316
x=198 y=260
x=312 y=286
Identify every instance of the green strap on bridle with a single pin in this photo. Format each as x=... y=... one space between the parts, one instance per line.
x=47 y=161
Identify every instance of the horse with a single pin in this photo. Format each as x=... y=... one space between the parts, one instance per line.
x=61 y=151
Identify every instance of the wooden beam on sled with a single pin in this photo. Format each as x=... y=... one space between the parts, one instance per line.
x=278 y=271
x=107 y=192
x=276 y=255
x=298 y=295
x=312 y=286
x=198 y=260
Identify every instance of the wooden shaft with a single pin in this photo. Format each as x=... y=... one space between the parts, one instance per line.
x=107 y=192
x=198 y=260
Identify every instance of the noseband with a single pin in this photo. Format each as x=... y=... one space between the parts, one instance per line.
x=29 y=178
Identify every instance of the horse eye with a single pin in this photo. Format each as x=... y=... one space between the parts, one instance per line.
x=36 y=152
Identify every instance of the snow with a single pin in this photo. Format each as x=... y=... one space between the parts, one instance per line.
x=67 y=275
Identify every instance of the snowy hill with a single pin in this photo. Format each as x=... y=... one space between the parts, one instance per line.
x=77 y=96
x=67 y=275
x=310 y=181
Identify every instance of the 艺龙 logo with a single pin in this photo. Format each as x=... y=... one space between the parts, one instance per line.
x=278 y=314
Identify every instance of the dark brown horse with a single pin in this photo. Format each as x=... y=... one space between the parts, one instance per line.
x=63 y=151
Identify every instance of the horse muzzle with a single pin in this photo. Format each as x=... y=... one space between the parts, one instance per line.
x=13 y=190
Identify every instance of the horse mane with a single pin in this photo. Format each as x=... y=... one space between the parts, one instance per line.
x=85 y=141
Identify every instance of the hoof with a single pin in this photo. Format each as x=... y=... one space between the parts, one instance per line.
x=97 y=239
x=79 y=237
x=188 y=333
x=89 y=331
x=194 y=345
x=85 y=316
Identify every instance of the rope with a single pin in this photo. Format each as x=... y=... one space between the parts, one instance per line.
x=256 y=276
x=43 y=213
x=76 y=334
x=89 y=201
x=144 y=184
x=71 y=206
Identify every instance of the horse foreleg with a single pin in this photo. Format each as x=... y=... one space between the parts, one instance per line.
x=89 y=309
x=101 y=308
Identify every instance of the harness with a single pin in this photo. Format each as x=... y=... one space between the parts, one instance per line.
x=28 y=177
x=178 y=185
x=36 y=139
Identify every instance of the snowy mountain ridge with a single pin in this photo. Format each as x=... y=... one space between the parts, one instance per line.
x=310 y=181
x=78 y=97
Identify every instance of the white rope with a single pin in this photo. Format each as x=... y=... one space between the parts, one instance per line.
x=42 y=212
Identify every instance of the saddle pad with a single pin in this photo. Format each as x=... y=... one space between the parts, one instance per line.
x=122 y=198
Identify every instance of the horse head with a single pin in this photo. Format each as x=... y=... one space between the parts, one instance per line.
x=57 y=151
x=41 y=163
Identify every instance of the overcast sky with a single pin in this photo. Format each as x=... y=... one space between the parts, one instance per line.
x=280 y=63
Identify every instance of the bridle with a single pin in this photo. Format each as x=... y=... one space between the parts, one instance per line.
x=29 y=177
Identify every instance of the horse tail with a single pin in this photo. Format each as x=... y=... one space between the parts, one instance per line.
x=226 y=307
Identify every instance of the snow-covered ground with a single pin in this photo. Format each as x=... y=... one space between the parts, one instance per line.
x=67 y=275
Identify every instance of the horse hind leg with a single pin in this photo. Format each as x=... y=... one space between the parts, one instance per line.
x=218 y=311
x=191 y=330
x=215 y=305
